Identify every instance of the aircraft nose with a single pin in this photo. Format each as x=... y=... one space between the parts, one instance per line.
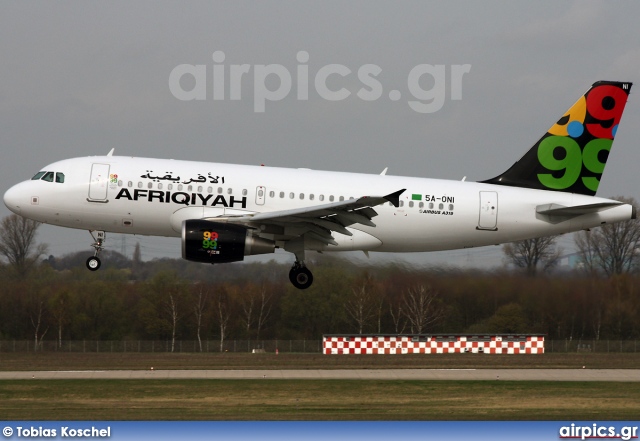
x=14 y=199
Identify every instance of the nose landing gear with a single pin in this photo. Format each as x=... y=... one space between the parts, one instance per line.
x=93 y=263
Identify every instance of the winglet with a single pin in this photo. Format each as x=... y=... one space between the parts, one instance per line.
x=394 y=198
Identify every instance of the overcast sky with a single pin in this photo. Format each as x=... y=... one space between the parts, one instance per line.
x=79 y=78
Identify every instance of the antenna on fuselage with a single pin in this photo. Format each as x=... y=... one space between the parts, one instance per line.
x=111 y=152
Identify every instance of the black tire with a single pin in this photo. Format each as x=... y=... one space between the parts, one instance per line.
x=301 y=277
x=93 y=263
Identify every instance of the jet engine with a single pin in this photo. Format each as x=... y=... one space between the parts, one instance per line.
x=217 y=242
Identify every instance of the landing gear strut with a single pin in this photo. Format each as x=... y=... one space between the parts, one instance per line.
x=93 y=263
x=300 y=276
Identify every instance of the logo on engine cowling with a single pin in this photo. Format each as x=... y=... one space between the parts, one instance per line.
x=210 y=242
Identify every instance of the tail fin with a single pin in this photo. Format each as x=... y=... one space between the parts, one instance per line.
x=571 y=156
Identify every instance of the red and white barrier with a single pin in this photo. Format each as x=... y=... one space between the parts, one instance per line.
x=435 y=344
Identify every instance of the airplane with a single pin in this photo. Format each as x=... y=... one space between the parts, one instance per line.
x=224 y=212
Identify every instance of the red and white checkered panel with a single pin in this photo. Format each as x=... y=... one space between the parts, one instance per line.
x=433 y=345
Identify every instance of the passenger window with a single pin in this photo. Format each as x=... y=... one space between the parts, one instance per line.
x=169 y=186
x=421 y=205
x=311 y=197
x=321 y=197
x=60 y=178
x=441 y=206
x=139 y=184
x=190 y=188
x=410 y=204
x=199 y=188
x=219 y=190
x=229 y=190
x=341 y=198
x=272 y=194
x=450 y=207
x=301 y=195
x=402 y=203
x=209 y=190
x=160 y=186
x=244 y=192
x=48 y=176
x=149 y=184
x=291 y=195
x=38 y=176
x=331 y=198
x=281 y=194
x=179 y=187
x=129 y=184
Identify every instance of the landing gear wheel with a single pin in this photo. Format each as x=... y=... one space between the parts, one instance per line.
x=301 y=277
x=93 y=263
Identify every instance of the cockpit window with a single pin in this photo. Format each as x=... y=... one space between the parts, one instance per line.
x=49 y=177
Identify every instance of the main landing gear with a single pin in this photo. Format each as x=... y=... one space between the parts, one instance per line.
x=300 y=276
x=93 y=263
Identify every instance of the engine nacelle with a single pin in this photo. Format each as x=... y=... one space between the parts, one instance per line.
x=216 y=242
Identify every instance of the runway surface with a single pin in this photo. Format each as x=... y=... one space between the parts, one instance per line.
x=340 y=374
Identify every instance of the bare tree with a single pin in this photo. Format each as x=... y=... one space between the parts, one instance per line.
x=361 y=304
x=201 y=301
x=530 y=253
x=170 y=292
x=17 y=243
x=37 y=315
x=421 y=308
x=59 y=305
x=611 y=248
x=223 y=314
x=396 y=311
x=247 y=301
x=264 y=309
x=587 y=251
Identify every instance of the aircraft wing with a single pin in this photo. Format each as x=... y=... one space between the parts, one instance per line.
x=319 y=221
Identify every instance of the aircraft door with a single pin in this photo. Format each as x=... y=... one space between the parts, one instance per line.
x=488 y=211
x=99 y=183
x=261 y=193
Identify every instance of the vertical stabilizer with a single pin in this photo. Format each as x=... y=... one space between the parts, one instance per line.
x=572 y=155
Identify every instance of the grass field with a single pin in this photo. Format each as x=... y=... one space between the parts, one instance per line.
x=313 y=399
x=316 y=400
x=21 y=361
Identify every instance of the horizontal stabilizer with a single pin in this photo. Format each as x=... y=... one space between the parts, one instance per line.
x=578 y=210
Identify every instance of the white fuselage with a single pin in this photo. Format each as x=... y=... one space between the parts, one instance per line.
x=153 y=196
